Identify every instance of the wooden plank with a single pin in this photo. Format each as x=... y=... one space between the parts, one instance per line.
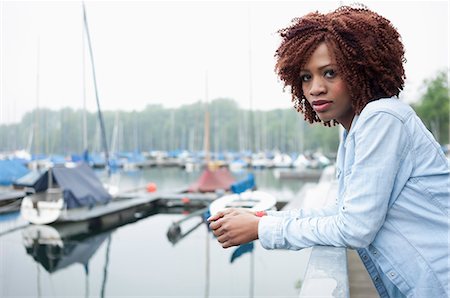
x=361 y=285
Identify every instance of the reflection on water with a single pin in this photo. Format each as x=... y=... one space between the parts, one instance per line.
x=132 y=254
x=175 y=232
x=53 y=253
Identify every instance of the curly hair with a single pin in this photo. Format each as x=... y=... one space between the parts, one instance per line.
x=367 y=48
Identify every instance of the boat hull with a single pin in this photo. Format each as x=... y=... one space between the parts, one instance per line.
x=40 y=212
x=251 y=200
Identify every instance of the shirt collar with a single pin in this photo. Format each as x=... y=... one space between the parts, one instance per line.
x=346 y=132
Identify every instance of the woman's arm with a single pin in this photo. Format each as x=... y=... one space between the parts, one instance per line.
x=245 y=225
x=327 y=210
x=381 y=144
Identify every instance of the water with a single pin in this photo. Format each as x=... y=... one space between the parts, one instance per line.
x=137 y=259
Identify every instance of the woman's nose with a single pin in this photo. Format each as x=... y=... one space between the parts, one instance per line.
x=317 y=87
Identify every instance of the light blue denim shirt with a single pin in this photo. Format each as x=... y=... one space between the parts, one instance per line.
x=392 y=204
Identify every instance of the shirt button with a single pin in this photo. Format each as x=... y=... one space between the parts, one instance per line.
x=392 y=274
x=376 y=278
x=365 y=257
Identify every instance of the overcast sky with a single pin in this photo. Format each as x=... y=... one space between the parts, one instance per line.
x=149 y=52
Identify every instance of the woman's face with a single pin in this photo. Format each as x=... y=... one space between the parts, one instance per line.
x=325 y=89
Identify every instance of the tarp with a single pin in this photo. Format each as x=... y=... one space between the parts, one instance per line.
x=80 y=186
x=38 y=180
x=10 y=170
x=212 y=180
x=246 y=184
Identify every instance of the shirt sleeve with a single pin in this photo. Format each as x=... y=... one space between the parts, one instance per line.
x=381 y=143
x=328 y=210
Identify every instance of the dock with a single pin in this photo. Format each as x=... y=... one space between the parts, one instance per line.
x=10 y=200
x=312 y=175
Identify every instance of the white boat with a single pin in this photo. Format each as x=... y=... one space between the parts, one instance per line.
x=76 y=194
x=315 y=160
x=282 y=160
x=261 y=161
x=251 y=200
x=237 y=165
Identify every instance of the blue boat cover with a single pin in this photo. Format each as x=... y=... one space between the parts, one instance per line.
x=11 y=170
x=80 y=186
x=243 y=185
x=38 y=180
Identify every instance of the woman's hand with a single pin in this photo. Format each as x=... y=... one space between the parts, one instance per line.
x=234 y=227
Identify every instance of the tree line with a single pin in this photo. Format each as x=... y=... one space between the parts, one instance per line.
x=46 y=131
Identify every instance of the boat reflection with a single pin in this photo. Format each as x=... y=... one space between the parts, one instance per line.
x=183 y=227
x=56 y=249
x=47 y=247
x=60 y=245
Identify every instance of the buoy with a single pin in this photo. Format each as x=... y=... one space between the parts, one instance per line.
x=151 y=187
x=185 y=200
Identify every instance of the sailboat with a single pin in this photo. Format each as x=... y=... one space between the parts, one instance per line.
x=10 y=198
x=67 y=188
x=13 y=169
x=213 y=178
x=74 y=192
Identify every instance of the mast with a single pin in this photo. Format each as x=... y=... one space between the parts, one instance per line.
x=100 y=116
x=115 y=135
x=206 y=127
x=36 y=114
x=84 y=91
x=252 y=145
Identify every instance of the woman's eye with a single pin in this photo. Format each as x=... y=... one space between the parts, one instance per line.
x=329 y=73
x=305 y=77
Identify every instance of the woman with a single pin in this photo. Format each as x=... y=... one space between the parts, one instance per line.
x=346 y=67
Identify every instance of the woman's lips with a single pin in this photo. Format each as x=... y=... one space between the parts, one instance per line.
x=321 y=105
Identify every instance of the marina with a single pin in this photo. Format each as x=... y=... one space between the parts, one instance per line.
x=130 y=254
x=119 y=139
